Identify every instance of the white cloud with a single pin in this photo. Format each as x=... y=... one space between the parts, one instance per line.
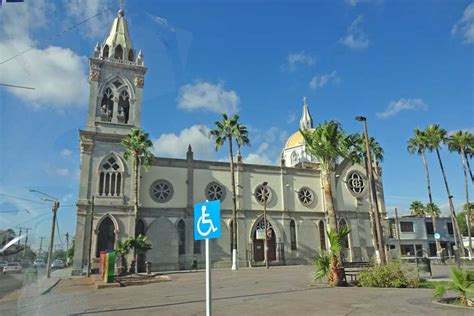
x=208 y=96
x=176 y=145
x=353 y=3
x=66 y=153
x=356 y=38
x=465 y=26
x=322 y=80
x=56 y=73
x=291 y=118
x=260 y=157
x=403 y=104
x=97 y=27
x=61 y=172
x=295 y=59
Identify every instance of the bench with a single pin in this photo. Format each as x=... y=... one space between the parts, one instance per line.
x=352 y=269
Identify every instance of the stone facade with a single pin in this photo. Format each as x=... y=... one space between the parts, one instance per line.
x=169 y=189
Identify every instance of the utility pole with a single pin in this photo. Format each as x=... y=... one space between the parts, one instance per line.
x=67 y=246
x=265 y=243
x=398 y=235
x=26 y=240
x=373 y=189
x=41 y=245
x=89 y=259
x=19 y=235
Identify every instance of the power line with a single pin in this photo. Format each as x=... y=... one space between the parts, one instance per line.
x=15 y=86
x=53 y=37
x=23 y=199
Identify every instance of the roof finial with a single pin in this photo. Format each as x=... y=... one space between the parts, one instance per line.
x=305 y=101
x=121 y=13
x=306 y=121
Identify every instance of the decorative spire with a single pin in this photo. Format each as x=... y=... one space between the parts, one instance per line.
x=306 y=122
x=119 y=43
x=97 y=50
x=140 y=58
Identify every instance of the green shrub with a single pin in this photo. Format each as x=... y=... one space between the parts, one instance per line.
x=389 y=275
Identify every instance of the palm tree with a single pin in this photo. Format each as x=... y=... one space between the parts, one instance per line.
x=328 y=143
x=418 y=144
x=459 y=142
x=462 y=282
x=137 y=147
x=435 y=137
x=417 y=208
x=241 y=139
x=123 y=248
x=357 y=154
x=227 y=130
x=327 y=263
x=139 y=244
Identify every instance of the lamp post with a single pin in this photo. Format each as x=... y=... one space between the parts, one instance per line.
x=265 y=241
x=375 y=205
x=54 y=209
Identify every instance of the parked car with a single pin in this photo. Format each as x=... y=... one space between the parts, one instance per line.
x=12 y=267
x=39 y=263
x=57 y=264
x=3 y=264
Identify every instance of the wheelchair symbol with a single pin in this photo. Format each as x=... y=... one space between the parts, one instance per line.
x=204 y=220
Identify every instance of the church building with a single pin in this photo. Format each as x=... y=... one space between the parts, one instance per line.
x=170 y=188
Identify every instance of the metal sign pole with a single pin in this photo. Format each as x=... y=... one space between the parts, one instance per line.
x=208 y=279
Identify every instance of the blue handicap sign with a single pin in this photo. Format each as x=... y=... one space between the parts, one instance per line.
x=207 y=220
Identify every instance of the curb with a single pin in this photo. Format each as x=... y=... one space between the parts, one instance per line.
x=452 y=305
x=47 y=290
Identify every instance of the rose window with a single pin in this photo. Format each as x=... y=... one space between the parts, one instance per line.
x=306 y=196
x=215 y=191
x=161 y=191
x=263 y=194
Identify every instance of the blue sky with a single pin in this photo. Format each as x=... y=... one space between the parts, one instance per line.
x=402 y=64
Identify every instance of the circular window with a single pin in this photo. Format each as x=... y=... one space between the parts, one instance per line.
x=161 y=191
x=306 y=196
x=215 y=191
x=262 y=194
x=356 y=183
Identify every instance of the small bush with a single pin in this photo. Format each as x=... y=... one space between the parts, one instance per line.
x=389 y=275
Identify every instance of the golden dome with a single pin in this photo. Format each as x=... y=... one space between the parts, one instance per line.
x=295 y=140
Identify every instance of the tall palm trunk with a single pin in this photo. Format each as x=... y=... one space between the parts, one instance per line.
x=136 y=164
x=430 y=197
x=457 y=233
x=234 y=207
x=466 y=187
x=332 y=218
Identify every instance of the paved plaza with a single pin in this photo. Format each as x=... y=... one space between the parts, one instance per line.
x=277 y=291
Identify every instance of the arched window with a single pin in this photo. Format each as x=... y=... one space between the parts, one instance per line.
x=295 y=158
x=322 y=235
x=107 y=105
x=345 y=243
x=123 y=107
x=110 y=177
x=106 y=236
x=140 y=228
x=118 y=52
x=105 y=52
x=182 y=237
x=293 y=235
x=130 y=55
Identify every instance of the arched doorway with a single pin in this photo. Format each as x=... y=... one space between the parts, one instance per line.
x=140 y=229
x=258 y=244
x=106 y=236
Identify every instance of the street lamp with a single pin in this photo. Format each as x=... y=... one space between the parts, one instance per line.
x=55 y=208
x=265 y=241
x=375 y=205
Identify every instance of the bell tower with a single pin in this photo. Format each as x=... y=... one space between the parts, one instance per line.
x=116 y=81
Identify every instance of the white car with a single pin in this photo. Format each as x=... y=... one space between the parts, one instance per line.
x=57 y=264
x=3 y=264
x=39 y=263
x=12 y=267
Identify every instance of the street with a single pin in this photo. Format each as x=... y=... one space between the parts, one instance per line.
x=277 y=291
x=10 y=282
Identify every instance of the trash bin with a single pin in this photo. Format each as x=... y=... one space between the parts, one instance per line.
x=148 y=267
